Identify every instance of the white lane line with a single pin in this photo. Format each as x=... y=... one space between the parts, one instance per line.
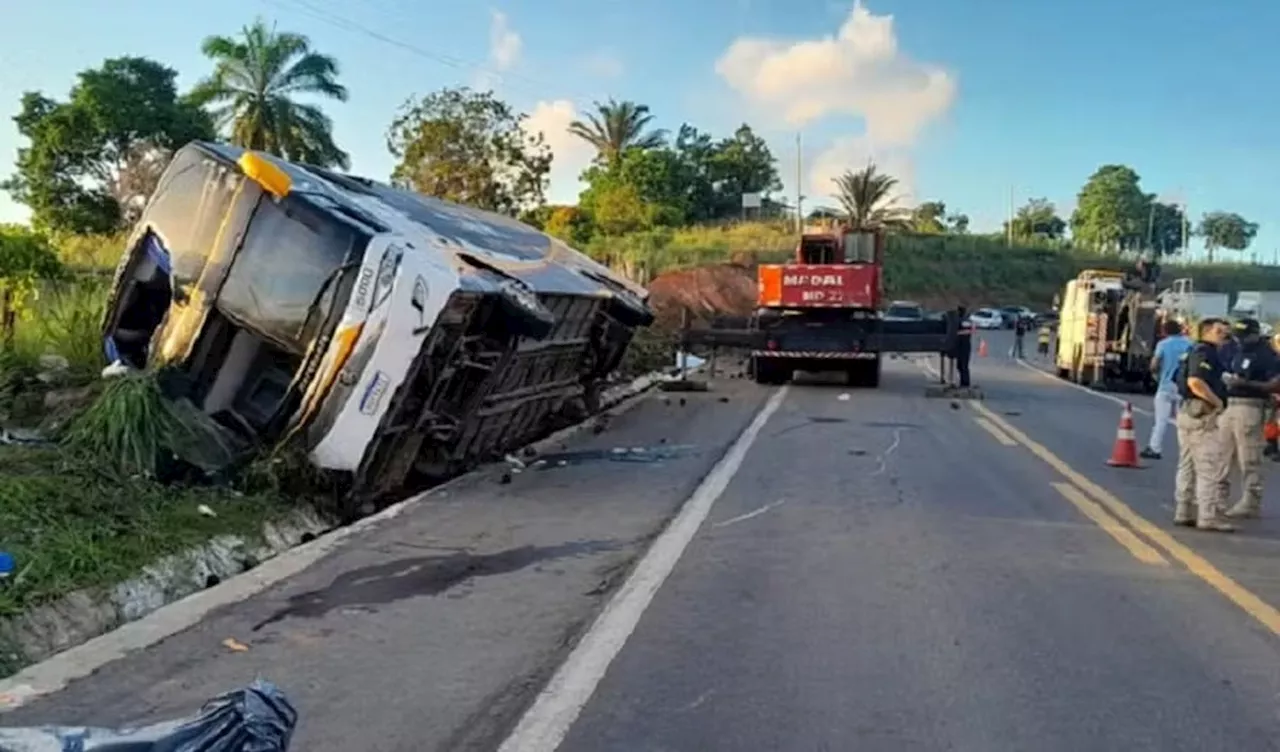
x=546 y=723
x=1084 y=389
x=751 y=514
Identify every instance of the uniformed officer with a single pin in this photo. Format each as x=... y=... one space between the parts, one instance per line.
x=1198 y=498
x=1256 y=372
x=964 y=345
x=1272 y=430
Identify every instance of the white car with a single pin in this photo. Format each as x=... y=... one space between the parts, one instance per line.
x=986 y=318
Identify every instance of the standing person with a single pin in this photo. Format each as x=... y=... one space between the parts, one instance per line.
x=1257 y=377
x=964 y=345
x=1198 y=499
x=1271 y=433
x=1042 y=341
x=1020 y=325
x=1164 y=366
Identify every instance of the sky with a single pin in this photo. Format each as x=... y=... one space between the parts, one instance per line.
x=976 y=104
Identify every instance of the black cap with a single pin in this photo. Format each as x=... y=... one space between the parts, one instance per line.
x=1247 y=327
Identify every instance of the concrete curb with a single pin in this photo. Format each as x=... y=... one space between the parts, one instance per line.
x=77 y=662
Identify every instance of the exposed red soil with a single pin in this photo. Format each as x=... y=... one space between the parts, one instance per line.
x=706 y=291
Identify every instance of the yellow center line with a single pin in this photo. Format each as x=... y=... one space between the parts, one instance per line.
x=1250 y=603
x=1089 y=508
x=995 y=432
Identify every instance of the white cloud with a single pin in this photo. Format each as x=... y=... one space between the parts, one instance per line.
x=571 y=154
x=853 y=153
x=604 y=64
x=505 y=46
x=858 y=72
x=504 y=43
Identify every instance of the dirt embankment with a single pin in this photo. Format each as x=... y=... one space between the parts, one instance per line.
x=730 y=290
x=706 y=291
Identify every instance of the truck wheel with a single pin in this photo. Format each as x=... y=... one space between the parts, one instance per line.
x=864 y=373
x=770 y=373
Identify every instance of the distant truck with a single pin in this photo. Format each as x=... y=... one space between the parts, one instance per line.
x=1263 y=305
x=821 y=312
x=1185 y=304
x=1107 y=331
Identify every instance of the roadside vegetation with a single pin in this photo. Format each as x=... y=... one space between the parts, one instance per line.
x=98 y=479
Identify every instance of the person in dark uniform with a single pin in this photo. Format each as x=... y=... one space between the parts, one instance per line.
x=964 y=345
x=1202 y=462
x=1241 y=426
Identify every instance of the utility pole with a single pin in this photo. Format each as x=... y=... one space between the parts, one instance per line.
x=799 y=180
x=1009 y=225
x=1186 y=229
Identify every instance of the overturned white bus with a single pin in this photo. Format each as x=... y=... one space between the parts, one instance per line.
x=401 y=338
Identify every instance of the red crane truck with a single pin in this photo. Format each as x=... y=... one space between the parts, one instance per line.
x=821 y=312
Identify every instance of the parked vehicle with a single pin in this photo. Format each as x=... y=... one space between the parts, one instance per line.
x=1011 y=314
x=396 y=336
x=987 y=318
x=1046 y=318
x=904 y=310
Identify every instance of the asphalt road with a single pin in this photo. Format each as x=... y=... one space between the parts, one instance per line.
x=918 y=582
x=883 y=571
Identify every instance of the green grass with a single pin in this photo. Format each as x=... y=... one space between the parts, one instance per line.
x=72 y=525
x=134 y=429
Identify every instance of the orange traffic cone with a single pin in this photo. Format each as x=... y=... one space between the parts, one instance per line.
x=1125 y=451
x=982 y=348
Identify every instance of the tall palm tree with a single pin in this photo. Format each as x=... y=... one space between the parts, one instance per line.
x=252 y=94
x=867 y=198
x=616 y=127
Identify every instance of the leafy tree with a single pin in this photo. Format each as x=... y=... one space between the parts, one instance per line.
x=1168 y=228
x=570 y=224
x=868 y=201
x=718 y=173
x=469 y=147
x=1226 y=230
x=616 y=127
x=1038 y=218
x=26 y=258
x=739 y=165
x=93 y=160
x=254 y=88
x=1111 y=212
x=958 y=223
x=656 y=178
x=928 y=217
x=618 y=208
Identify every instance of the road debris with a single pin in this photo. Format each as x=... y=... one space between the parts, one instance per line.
x=235 y=645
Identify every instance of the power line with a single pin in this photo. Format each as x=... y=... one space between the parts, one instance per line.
x=507 y=77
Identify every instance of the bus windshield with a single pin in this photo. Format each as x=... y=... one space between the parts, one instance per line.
x=283 y=269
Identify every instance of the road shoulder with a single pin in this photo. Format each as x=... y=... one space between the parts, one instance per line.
x=446 y=619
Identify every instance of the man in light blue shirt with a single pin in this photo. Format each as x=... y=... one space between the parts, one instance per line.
x=1164 y=365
